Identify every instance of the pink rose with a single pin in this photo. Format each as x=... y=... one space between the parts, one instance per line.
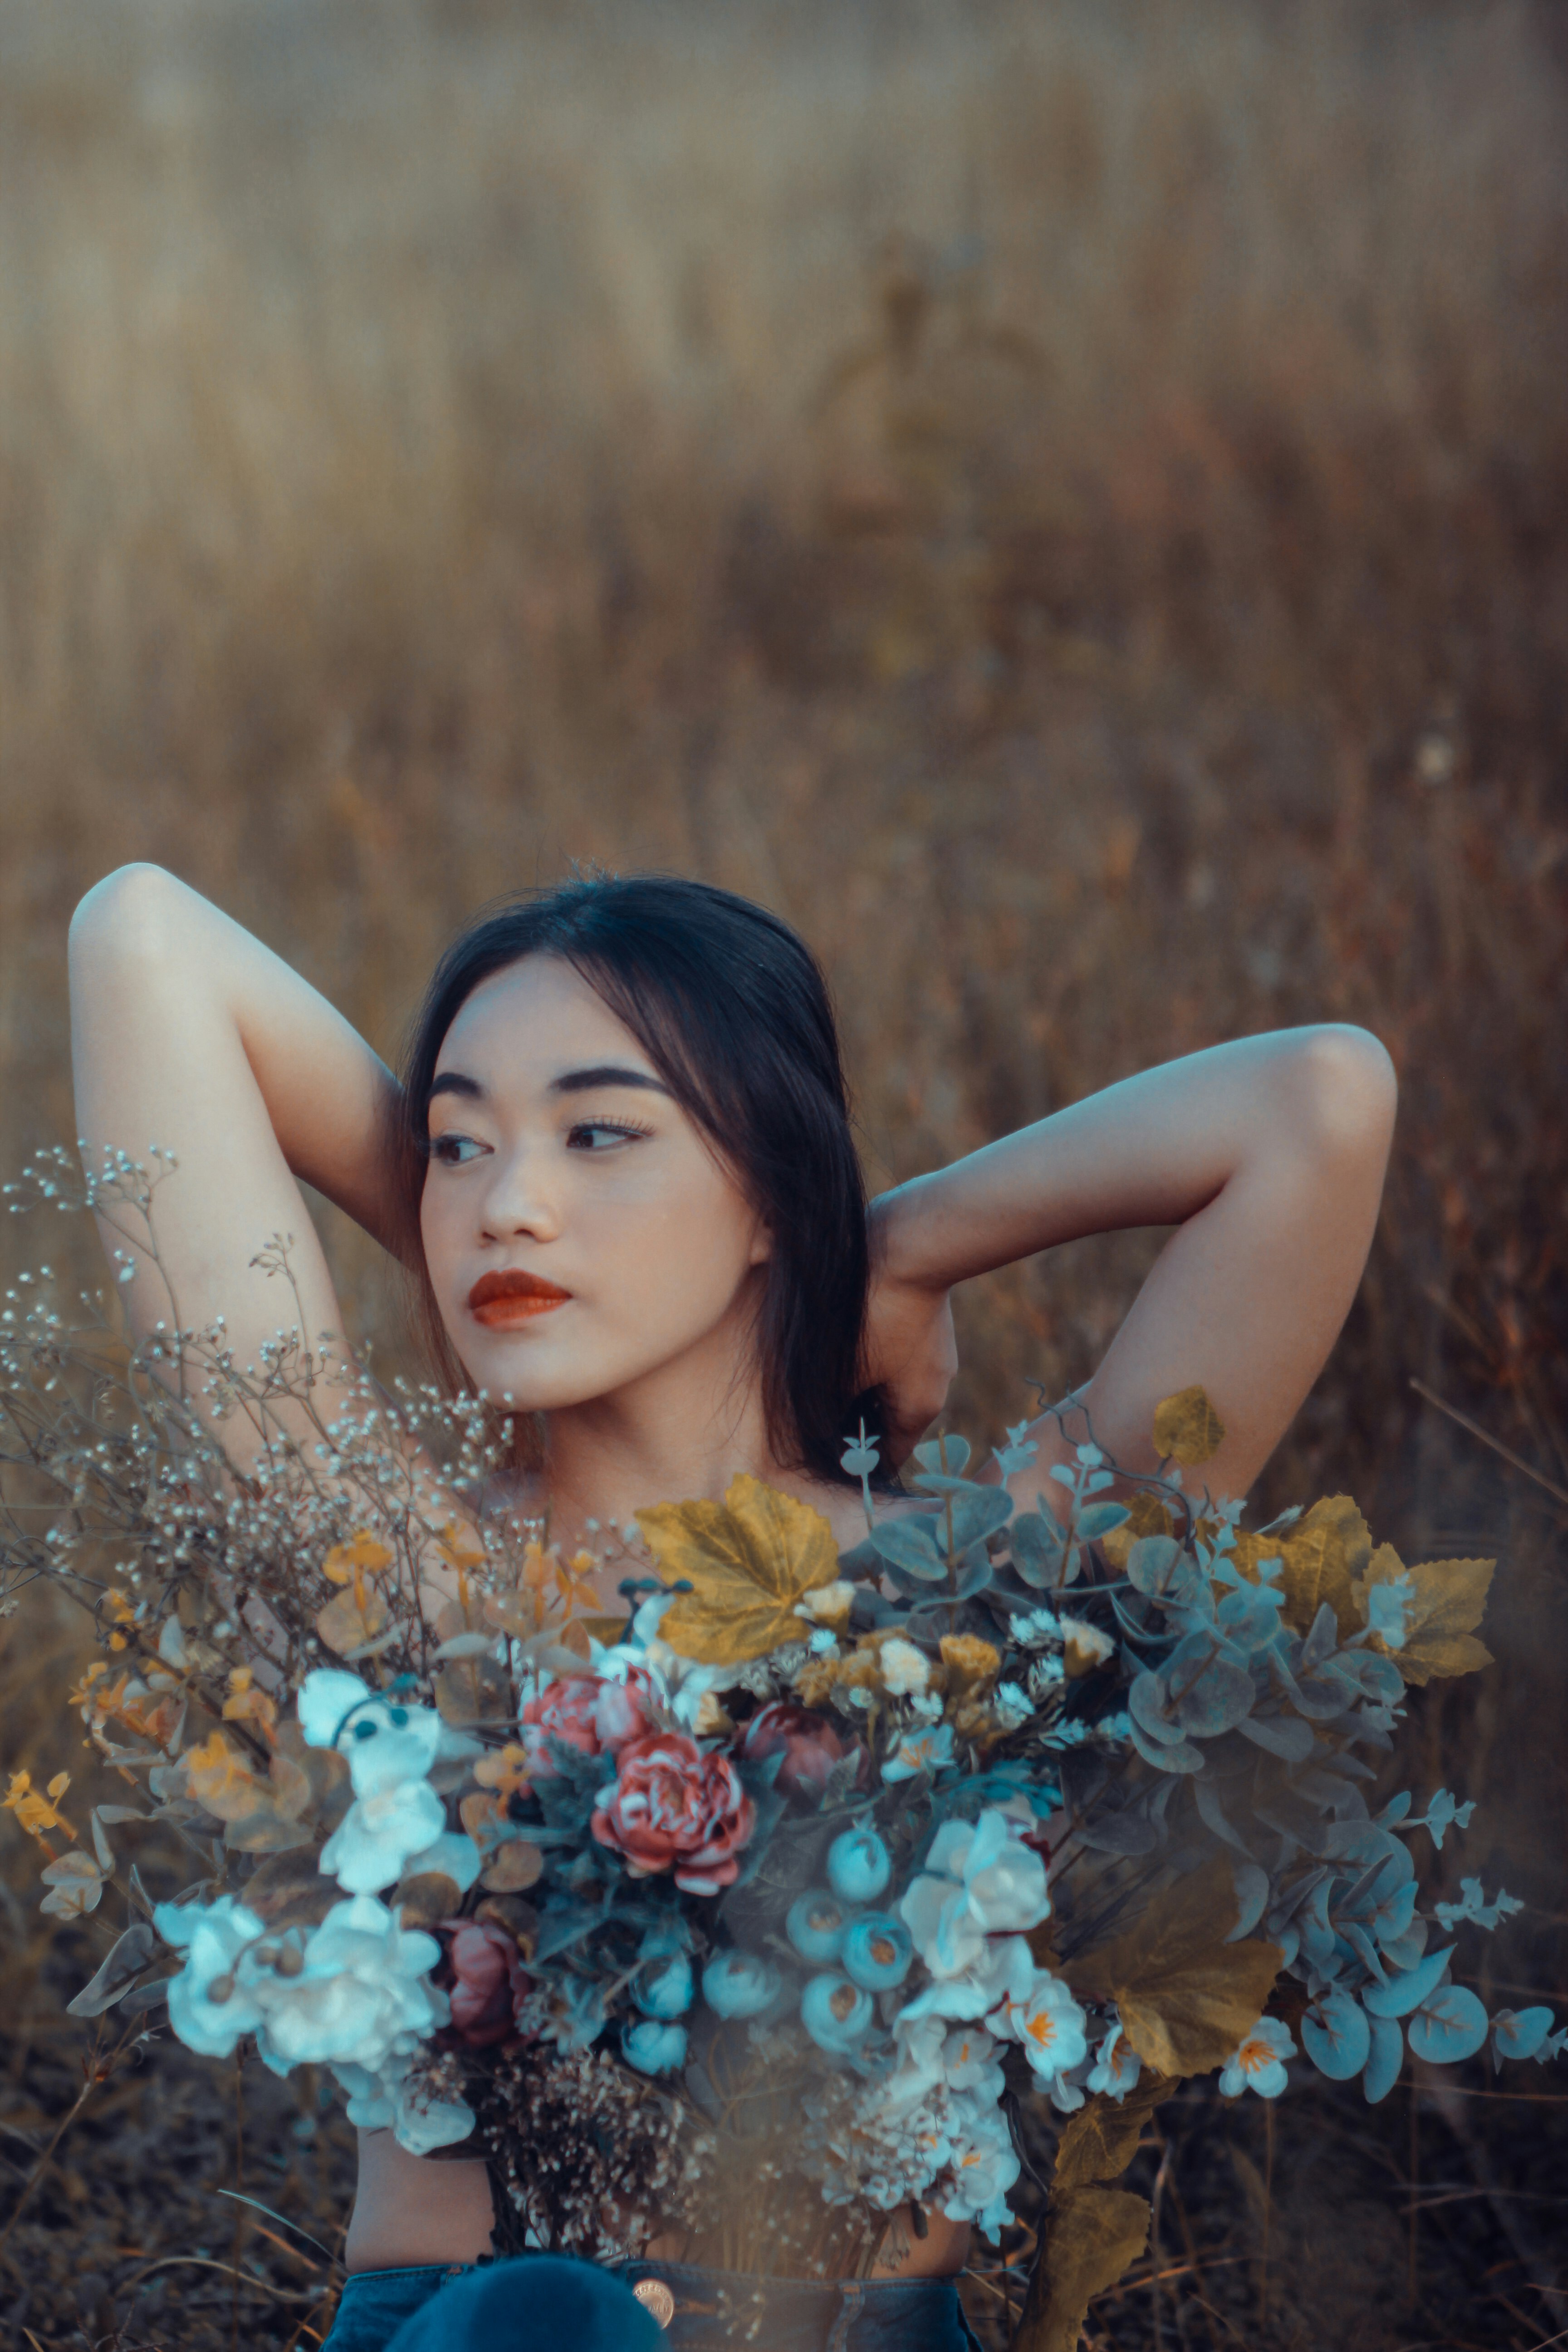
x=487 y=1982
x=595 y=1717
x=811 y=1747
x=673 y=1808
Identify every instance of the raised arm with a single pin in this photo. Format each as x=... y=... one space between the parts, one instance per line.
x=189 y=1034
x=1266 y=1155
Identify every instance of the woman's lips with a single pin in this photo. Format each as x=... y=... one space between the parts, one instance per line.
x=508 y=1296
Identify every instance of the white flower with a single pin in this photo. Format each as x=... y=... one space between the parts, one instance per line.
x=358 y=1994
x=1086 y=1645
x=976 y=1883
x=1045 y=2018
x=985 y=2164
x=927 y=1707
x=1258 y=2061
x=969 y=2062
x=1011 y=1706
x=829 y=1602
x=209 y=2008
x=387 y=2101
x=379 y=1834
x=1039 y=1625
x=905 y=1670
x=1046 y=1676
x=384 y=1741
x=1002 y=1969
x=352 y=1991
x=1117 y=2066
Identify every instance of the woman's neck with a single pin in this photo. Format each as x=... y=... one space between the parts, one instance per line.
x=683 y=1433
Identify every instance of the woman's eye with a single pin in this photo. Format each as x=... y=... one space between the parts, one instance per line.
x=454 y=1150
x=602 y=1135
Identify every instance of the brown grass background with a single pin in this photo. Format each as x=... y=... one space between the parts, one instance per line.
x=1064 y=502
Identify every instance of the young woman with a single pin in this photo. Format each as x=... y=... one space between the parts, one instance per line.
x=621 y=1169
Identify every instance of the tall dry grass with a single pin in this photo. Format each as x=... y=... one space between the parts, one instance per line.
x=1067 y=505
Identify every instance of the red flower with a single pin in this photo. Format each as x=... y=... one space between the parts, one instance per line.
x=595 y=1717
x=672 y=1808
x=487 y=1982
x=812 y=1747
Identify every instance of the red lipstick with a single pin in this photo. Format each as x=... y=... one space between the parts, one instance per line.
x=507 y=1298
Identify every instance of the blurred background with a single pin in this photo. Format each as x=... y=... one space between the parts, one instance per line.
x=1066 y=503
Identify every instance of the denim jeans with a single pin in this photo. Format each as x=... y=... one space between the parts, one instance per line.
x=538 y=2303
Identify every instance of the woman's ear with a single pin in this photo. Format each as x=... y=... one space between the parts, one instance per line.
x=761 y=1245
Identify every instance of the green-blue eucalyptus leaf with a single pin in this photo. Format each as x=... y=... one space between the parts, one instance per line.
x=1452 y=2025
x=1385 y=2058
x=1407 y=1990
x=1336 y=2034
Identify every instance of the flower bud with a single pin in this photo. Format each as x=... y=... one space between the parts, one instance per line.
x=654 y=2048
x=221 y=1990
x=815 y=1925
x=878 y=1950
x=835 y=2013
x=859 y=1868
x=663 y=1989
x=740 y=1984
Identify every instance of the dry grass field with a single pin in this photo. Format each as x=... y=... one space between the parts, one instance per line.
x=1069 y=503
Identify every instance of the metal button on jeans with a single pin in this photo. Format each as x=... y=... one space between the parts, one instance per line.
x=655 y=2299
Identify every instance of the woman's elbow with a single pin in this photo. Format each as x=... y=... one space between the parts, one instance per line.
x=1345 y=1091
x=129 y=911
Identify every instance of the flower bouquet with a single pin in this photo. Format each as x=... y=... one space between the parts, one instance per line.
x=761 y=1910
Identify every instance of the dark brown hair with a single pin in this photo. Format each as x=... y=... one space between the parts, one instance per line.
x=730 y=1007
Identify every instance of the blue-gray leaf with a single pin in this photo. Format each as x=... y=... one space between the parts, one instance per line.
x=1409 y=1990
x=1283 y=1735
x=977 y=1513
x=910 y=1544
x=1385 y=2058
x=1450 y=2026
x=1037 y=1543
x=1336 y=2035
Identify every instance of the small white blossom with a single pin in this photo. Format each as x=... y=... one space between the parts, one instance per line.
x=905 y=1669
x=1011 y=1706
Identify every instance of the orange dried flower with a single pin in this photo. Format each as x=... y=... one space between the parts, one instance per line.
x=970 y=1662
x=35 y=1813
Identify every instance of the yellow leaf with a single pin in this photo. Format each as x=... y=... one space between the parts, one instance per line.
x=250 y=1706
x=460 y=1546
x=1146 y=1516
x=362 y=1554
x=516 y=1866
x=1322 y=1555
x=1447 y=1600
x=1184 y=1995
x=750 y=1560
x=1090 y=2238
x=1187 y=1428
x=420 y=1901
x=471 y=1690
x=348 y=1620
x=1099 y=2142
x=222 y=1782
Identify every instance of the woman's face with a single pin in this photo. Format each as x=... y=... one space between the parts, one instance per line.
x=579 y=1232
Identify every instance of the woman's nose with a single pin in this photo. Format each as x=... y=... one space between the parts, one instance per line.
x=520 y=1200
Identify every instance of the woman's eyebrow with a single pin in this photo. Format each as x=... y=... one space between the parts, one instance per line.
x=453 y=1082
x=604 y=1073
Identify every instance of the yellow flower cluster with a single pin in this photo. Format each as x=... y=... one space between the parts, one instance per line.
x=37 y=1813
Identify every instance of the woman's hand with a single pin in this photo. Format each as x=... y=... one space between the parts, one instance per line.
x=911 y=1351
